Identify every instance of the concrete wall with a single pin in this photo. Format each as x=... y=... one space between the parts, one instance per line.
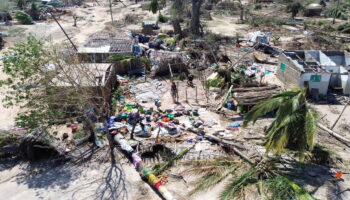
x=321 y=86
x=347 y=86
x=291 y=75
x=110 y=83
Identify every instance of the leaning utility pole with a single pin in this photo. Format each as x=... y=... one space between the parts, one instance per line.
x=54 y=18
x=336 y=12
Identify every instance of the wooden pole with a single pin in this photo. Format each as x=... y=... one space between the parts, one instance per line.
x=171 y=72
x=177 y=92
x=334 y=134
x=54 y=18
x=336 y=121
x=186 y=93
x=196 y=95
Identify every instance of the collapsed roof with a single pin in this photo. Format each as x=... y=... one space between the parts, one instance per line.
x=108 y=42
x=318 y=61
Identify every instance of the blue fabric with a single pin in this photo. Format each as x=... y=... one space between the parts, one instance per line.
x=137 y=50
x=111 y=121
x=235 y=124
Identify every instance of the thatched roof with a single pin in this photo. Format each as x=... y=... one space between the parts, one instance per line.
x=253 y=95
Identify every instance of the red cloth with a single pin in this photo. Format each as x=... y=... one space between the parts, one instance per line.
x=157 y=185
x=339 y=175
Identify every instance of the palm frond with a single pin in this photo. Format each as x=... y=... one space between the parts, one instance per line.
x=161 y=167
x=310 y=127
x=207 y=182
x=210 y=166
x=274 y=103
x=213 y=171
x=262 y=109
x=236 y=184
x=282 y=188
x=279 y=134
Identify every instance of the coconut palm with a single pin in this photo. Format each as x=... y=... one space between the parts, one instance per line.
x=265 y=176
x=295 y=123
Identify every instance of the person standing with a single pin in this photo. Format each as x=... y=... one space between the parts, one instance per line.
x=174 y=92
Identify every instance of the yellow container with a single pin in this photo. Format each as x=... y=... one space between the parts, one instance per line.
x=152 y=179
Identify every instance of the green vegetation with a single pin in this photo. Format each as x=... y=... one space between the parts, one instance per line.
x=218 y=81
x=161 y=167
x=80 y=134
x=154 y=6
x=340 y=13
x=162 y=18
x=116 y=58
x=39 y=87
x=265 y=176
x=260 y=20
x=257 y=6
x=23 y=18
x=295 y=123
x=344 y=28
x=7 y=138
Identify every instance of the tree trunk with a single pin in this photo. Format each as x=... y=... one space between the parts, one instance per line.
x=195 y=22
x=110 y=9
x=335 y=13
x=242 y=13
x=177 y=27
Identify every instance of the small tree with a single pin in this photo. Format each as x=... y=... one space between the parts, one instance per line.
x=294 y=8
x=154 y=6
x=176 y=12
x=21 y=4
x=24 y=18
x=51 y=86
x=195 y=17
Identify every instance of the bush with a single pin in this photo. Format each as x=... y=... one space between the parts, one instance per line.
x=257 y=6
x=162 y=18
x=80 y=134
x=339 y=13
x=345 y=28
x=23 y=18
x=7 y=138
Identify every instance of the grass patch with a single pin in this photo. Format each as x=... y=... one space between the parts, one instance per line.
x=7 y=138
x=79 y=134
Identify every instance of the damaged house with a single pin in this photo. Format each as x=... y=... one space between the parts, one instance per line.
x=99 y=77
x=323 y=71
x=100 y=46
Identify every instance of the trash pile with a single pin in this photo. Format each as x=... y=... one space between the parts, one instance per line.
x=156 y=124
x=147 y=91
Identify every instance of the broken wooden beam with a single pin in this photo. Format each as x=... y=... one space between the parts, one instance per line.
x=336 y=135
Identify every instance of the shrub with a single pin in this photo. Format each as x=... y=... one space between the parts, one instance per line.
x=345 y=28
x=340 y=13
x=23 y=18
x=162 y=18
x=257 y=6
x=7 y=138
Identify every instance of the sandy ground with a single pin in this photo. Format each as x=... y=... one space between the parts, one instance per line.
x=93 y=180
x=83 y=182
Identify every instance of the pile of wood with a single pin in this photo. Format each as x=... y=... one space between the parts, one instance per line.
x=253 y=95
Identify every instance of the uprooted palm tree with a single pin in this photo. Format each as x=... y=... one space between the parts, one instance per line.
x=295 y=124
x=269 y=182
